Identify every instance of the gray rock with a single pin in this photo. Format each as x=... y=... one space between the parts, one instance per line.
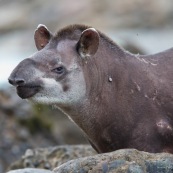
x=51 y=157
x=30 y=170
x=120 y=161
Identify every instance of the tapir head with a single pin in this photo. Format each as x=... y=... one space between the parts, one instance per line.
x=55 y=73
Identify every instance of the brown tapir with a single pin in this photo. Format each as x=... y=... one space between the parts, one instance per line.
x=119 y=100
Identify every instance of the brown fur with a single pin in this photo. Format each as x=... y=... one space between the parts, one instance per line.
x=74 y=31
x=129 y=98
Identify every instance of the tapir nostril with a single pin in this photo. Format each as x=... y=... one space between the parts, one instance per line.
x=16 y=81
x=20 y=81
x=10 y=81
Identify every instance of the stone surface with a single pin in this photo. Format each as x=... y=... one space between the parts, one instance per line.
x=24 y=125
x=30 y=170
x=120 y=161
x=51 y=157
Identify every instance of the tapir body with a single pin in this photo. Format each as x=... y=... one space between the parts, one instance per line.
x=118 y=99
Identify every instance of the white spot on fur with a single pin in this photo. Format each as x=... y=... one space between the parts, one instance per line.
x=163 y=124
x=110 y=79
x=84 y=55
x=144 y=60
x=137 y=86
x=152 y=64
x=146 y=96
x=155 y=95
x=132 y=91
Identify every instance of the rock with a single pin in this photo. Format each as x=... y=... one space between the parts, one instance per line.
x=49 y=158
x=120 y=161
x=86 y=161
x=24 y=125
x=30 y=170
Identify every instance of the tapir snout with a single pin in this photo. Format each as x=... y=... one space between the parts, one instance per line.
x=20 y=78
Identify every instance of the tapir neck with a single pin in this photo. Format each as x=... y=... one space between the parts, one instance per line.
x=103 y=69
x=103 y=79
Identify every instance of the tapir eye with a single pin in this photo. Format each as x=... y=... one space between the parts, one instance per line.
x=59 y=70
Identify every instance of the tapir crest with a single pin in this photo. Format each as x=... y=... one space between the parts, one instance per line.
x=118 y=99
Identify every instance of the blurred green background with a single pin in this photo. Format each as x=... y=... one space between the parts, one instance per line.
x=140 y=26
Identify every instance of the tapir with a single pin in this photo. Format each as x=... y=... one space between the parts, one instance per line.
x=118 y=99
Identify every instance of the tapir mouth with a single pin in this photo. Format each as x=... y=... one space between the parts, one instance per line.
x=27 y=91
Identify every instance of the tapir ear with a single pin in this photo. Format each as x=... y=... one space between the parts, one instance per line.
x=42 y=36
x=88 y=43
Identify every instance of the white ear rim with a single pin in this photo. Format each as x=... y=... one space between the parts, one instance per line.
x=93 y=29
x=42 y=25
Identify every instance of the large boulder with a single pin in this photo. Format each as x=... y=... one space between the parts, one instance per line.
x=120 y=161
x=83 y=159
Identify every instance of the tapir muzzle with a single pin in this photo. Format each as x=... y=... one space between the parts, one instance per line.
x=21 y=79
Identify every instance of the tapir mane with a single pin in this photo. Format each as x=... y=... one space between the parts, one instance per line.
x=73 y=32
